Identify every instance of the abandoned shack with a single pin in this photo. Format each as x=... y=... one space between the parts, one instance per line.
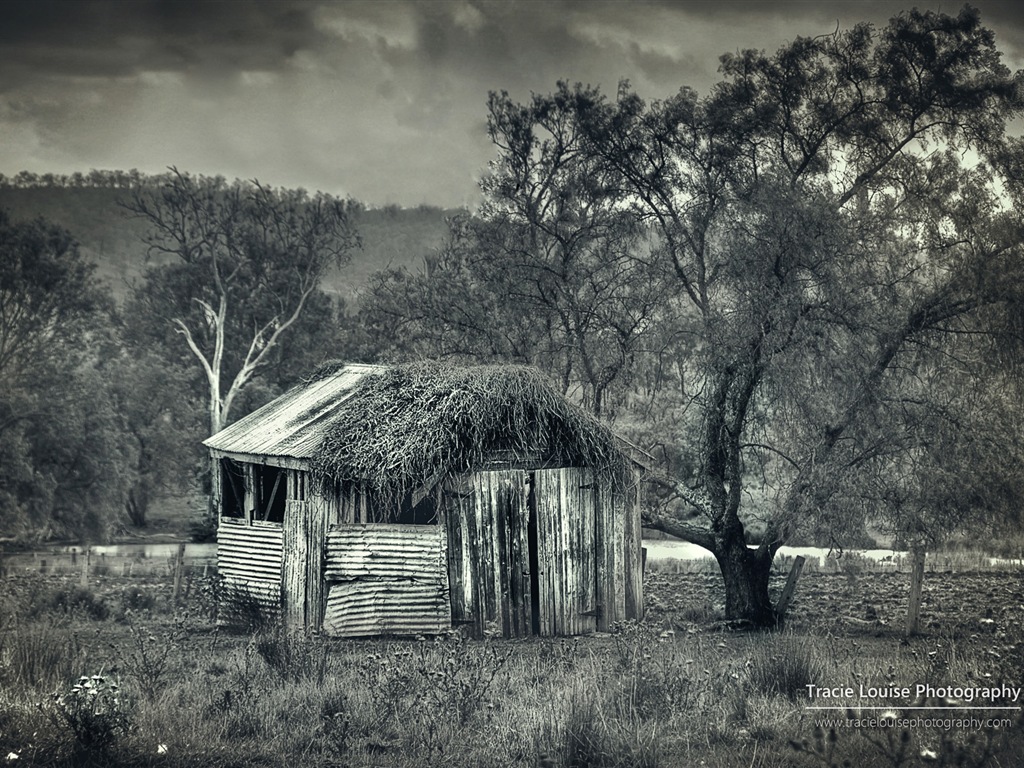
x=408 y=500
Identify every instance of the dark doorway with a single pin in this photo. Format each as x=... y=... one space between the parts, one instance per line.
x=534 y=559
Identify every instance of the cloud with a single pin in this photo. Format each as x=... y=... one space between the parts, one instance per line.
x=382 y=100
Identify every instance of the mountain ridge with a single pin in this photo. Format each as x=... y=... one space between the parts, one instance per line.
x=109 y=237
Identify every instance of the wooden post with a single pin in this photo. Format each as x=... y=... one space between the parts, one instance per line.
x=179 y=561
x=787 y=592
x=916 y=578
x=84 y=580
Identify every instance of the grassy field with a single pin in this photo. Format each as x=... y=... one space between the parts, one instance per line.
x=114 y=675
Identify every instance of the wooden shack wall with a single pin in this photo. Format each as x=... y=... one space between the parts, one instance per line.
x=386 y=579
x=619 y=544
x=486 y=519
x=566 y=550
x=503 y=525
x=249 y=559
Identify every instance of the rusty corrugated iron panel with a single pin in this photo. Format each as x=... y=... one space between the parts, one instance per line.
x=293 y=425
x=249 y=559
x=386 y=580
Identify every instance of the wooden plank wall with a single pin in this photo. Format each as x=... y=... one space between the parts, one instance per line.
x=619 y=541
x=249 y=558
x=566 y=550
x=386 y=580
x=487 y=517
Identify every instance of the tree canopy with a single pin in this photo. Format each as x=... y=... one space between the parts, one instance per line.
x=235 y=268
x=825 y=251
x=63 y=464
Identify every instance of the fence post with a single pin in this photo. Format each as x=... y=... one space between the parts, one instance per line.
x=916 y=579
x=179 y=561
x=789 y=589
x=84 y=578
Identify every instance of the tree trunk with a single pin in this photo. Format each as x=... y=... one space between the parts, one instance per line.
x=745 y=572
x=137 y=503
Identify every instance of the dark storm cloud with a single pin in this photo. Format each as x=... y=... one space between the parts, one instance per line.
x=384 y=100
x=112 y=38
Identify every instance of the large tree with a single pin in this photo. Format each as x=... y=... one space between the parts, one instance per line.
x=236 y=268
x=546 y=272
x=63 y=460
x=830 y=215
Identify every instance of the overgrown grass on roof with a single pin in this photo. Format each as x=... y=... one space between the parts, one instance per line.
x=414 y=422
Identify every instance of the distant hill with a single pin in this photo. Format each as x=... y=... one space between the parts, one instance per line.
x=392 y=236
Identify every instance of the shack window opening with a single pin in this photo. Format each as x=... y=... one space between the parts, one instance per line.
x=232 y=494
x=418 y=508
x=271 y=492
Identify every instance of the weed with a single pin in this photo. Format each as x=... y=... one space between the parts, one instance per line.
x=293 y=655
x=785 y=665
x=95 y=713
x=38 y=654
x=897 y=745
x=147 y=659
x=336 y=726
x=653 y=677
x=585 y=734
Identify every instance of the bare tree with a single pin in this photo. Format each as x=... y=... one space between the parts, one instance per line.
x=238 y=264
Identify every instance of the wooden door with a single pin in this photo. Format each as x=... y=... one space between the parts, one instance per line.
x=487 y=516
x=566 y=551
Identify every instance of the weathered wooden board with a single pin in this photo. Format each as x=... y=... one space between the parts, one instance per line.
x=566 y=549
x=620 y=577
x=386 y=580
x=487 y=518
x=303 y=565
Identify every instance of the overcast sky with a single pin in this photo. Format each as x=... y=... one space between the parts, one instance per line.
x=382 y=100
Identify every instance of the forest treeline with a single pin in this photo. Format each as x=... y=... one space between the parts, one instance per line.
x=101 y=409
x=801 y=294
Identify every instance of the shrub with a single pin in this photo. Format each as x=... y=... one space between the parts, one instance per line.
x=784 y=665
x=136 y=600
x=74 y=601
x=95 y=713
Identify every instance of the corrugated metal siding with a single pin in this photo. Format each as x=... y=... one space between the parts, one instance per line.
x=249 y=559
x=386 y=580
x=293 y=424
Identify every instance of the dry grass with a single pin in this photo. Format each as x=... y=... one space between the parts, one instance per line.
x=415 y=422
x=642 y=697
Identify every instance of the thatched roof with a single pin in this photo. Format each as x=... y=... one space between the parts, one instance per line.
x=406 y=424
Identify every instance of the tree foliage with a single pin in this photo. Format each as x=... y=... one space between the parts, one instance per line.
x=833 y=215
x=823 y=255
x=63 y=464
x=236 y=267
x=545 y=273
